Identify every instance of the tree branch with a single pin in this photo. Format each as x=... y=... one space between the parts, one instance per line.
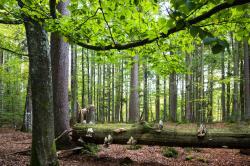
x=100 y=3
x=14 y=52
x=186 y=24
x=11 y=21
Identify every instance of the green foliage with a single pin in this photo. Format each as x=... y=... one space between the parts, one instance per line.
x=170 y=152
x=91 y=148
x=189 y=158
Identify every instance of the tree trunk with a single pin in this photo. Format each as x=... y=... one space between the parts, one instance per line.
x=1 y=81
x=145 y=93
x=134 y=96
x=117 y=96
x=74 y=87
x=169 y=136
x=113 y=92
x=172 y=97
x=228 y=104
x=60 y=66
x=157 y=99
x=27 y=117
x=165 y=101
x=235 y=113
x=188 y=90
x=43 y=145
x=210 y=95
x=223 y=88
x=83 y=80
x=246 y=81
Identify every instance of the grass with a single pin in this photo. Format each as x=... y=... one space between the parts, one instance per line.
x=170 y=152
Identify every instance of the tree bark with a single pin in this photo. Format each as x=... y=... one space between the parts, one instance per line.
x=43 y=145
x=157 y=99
x=145 y=93
x=74 y=86
x=83 y=80
x=172 y=97
x=60 y=69
x=188 y=90
x=235 y=113
x=246 y=81
x=146 y=135
x=134 y=96
x=223 y=87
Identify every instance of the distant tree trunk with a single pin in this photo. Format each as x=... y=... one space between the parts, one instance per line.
x=73 y=83
x=83 y=80
x=210 y=95
x=27 y=117
x=242 y=93
x=43 y=146
x=145 y=93
x=134 y=96
x=121 y=91
x=246 y=81
x=88 y=76
x=165 y=101
x=103 y=93
x=108 y=92
x=117 y=96
x=1 y=81
x=188 y=90
x=60 y=69
x=235 y=113
x=98 y=92
x=157 y=99
x=182 y=100
x=172 y=97
x=223 y=88
x=113 y=92
x=228 y=104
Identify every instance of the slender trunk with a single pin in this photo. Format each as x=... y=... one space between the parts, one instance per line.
x=73 y=84
x=246 y=81
x=172 y=97
x=210 y=95
x=121 y=91
x=134 y=96
x=145 y=93
x=165 y=101
x=188 y=90
x=235 y=113
x=117 y=96
x=1 y=82
x=113 y=92
x=182 y=100
x=83 y=80
x=103 y=94
x=27 y=117
x=228 y=104
x=223 y=88
x=88 y=77
x=109 y=92
x=157 y=100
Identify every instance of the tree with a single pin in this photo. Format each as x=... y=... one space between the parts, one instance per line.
x=43 y=145
x=134 y=96
x=60 y=66
x=172 y=97
x=246 y=80
x=157 y=100
x=74 y=86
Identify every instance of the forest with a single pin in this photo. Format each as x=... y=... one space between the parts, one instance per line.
x=131 y=82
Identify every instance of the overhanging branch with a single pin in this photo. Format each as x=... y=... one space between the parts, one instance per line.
x=190 y=22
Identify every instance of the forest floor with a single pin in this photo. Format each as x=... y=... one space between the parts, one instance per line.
x=12 y=141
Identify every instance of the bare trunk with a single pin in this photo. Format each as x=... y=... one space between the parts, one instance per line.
x=223 y=88
x=246 y=81
x=145 y=93
x=74 y=83
x=235 y=113
x=172 y=97
x=134 y=96
x=157 y=100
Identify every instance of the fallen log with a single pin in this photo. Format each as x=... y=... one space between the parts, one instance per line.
x=231 y=136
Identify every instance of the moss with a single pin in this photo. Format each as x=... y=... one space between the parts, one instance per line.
x=91 y=148
x=134 y=147
x=170 y=152
x=189 y=158
x=202 y=160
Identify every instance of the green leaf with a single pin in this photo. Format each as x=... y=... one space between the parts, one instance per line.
x=209 y=40
x=190 y=4
x=122 y=17
x=217 y=48
x=136 y=2
x=194 y=31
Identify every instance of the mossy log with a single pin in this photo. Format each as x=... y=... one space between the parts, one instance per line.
x=231 y=136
